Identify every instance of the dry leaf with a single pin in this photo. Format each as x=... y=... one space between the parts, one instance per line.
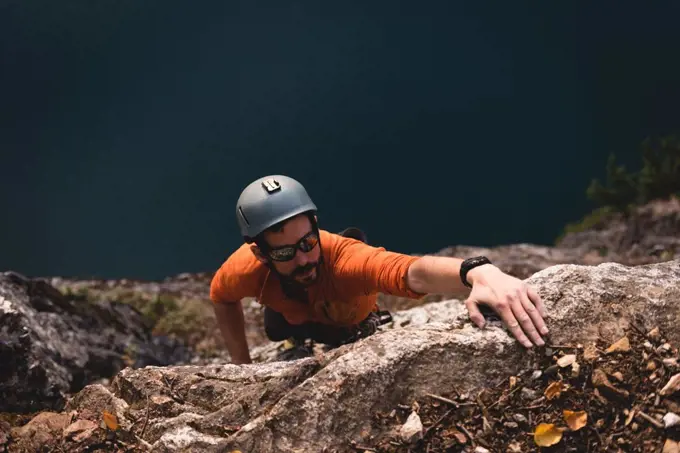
x=651 y=365
x=460 y=437
x=618 y=376
x=110 y=420
x=630 y=417
x=553 y=390
x=671 y=446
x=235 y=451
x=654 y=334
x=513 y=381
x=590 y=353
x=623 y=345
x=575 y=369
x=575 y=420
x=566 y=360
x=547 y=434
x=672 y=386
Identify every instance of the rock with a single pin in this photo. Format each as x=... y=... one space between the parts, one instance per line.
x=566 y=360
x=52 y=345
x=80 y=430
x=412 y=430
x=5 y=430
x=328 y=400
x=671 y=419
x=43 y=430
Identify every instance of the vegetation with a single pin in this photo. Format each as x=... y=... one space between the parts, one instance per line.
x=658 y=177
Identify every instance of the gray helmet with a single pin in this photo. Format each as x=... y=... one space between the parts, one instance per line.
x=269 y=200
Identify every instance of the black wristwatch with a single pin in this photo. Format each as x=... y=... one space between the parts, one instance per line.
x=469 y=264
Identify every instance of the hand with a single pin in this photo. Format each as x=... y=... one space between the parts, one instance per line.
x=517 y=303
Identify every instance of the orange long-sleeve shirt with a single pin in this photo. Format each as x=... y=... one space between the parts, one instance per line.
x=351 y=276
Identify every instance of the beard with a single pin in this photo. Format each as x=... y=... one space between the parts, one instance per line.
x=297 y=280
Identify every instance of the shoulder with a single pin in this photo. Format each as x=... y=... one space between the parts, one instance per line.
x=240 y=275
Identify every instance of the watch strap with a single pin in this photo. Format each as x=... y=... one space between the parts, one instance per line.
x=469 y=264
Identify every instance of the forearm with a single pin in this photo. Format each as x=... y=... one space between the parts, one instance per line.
x=231 y=322
x=441 y=275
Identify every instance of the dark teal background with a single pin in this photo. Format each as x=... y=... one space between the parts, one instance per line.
x=128 y=128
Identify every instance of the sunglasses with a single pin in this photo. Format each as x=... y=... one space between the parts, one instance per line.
x=287 y=252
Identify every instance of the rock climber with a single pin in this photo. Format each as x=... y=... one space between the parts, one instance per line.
x=322 y=286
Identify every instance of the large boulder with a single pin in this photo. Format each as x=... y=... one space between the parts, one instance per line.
x=331 y=402
x=52 y=345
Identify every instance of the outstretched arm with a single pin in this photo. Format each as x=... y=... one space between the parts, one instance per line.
x=518 y=304
x=231 y=322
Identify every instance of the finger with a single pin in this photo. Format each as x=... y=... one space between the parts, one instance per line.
x=475 y=315
x=525 y=320
x=505 y=311
x=536 y=299
x=533 y=313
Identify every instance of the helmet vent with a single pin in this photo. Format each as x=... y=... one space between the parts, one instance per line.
x=245 y=219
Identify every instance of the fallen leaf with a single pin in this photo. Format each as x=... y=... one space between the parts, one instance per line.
x=513 y=381
x=110 y=420
x=460 y=437
x=590 y=353
x=622 y=345
x=575 y=419
x=566 y=360
x=654 y=334
x=575 y=369
x=547 y=434
x=553 y=390
x=672 y=386
x=651 y=365
x=630 y=417
x=671 y=446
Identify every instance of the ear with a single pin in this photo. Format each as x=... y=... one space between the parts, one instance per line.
x=258 y=253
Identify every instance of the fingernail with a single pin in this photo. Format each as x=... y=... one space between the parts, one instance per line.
x=540 y=342
x=545 y=331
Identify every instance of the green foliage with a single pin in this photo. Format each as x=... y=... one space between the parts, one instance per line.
x=659 y=177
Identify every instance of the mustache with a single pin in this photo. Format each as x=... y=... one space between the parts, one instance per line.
x=302 y=269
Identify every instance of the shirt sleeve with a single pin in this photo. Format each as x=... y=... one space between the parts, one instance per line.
x=240 y=276
x=375 y=268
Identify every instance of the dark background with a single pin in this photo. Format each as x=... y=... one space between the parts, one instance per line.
x=128 y=128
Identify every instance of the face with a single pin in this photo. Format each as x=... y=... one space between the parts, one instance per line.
x=303 y=268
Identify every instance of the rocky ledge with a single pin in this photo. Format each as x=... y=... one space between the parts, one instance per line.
x=378 y=394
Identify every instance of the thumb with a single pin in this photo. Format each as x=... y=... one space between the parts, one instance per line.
x=475 y=315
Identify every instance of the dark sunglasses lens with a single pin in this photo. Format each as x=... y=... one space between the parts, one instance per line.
x=285 y=254
x=309 y=243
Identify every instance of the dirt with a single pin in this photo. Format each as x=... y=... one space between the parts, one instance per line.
x=617 y=391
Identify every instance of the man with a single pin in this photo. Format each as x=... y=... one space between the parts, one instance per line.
x=323 y=286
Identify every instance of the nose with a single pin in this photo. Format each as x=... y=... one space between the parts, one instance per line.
x=301 y=258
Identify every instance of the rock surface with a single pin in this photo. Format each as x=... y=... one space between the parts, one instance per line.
x=327 y=402
x=52 y=345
